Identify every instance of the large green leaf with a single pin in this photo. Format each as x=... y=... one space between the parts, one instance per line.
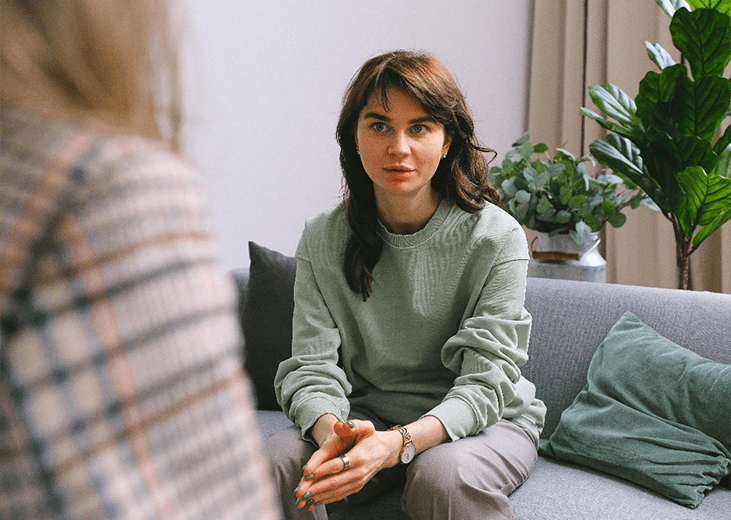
x=670 y=6
x=724 y=163
x=704 y=38
x=722 y=6
x=666 y=157
x=717 y=198
x=659 y=55
x=616 y=104
x=706 y=197
x=623 y=157
x=693 y=151
x=699 y=106
x=723 y=142
x=656 y=90
x=709 y=229
x=606 y=124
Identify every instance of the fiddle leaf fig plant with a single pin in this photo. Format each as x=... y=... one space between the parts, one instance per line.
x=668 y=139
x=557 y=195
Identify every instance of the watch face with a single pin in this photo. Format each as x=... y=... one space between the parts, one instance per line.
x=408 y=453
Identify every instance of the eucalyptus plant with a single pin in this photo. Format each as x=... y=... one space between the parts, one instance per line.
x=668 y=140
x=557 y=195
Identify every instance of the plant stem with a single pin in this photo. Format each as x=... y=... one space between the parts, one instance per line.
x=682 y=254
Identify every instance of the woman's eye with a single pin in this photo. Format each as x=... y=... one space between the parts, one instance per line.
x=379 y=127
x=420 y=129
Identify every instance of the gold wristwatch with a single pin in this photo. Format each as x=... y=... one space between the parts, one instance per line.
x=407 y=449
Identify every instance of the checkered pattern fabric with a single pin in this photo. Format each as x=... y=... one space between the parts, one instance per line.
x=121 y=391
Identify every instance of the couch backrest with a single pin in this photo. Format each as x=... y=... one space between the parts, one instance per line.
x=570 y=320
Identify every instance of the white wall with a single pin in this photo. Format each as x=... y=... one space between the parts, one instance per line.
x=264 y=81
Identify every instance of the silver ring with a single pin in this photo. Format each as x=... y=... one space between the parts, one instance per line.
x=346 y=462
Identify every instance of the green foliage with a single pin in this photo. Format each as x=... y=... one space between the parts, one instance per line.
x=663 y=140
x=557 y=194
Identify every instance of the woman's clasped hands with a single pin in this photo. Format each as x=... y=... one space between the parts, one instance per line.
x=350 y=455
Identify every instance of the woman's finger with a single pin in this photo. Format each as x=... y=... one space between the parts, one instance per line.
x=335 y=488
x=331 y=467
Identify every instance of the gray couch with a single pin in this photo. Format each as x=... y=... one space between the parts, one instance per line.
x=570 y=320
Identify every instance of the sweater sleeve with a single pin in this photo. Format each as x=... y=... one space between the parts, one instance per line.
x=486 y=352
x=311 y=383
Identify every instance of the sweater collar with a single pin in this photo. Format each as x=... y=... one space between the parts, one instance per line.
x=421 y=236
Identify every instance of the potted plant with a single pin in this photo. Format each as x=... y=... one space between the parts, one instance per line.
x=557 y=197
x=667 y=140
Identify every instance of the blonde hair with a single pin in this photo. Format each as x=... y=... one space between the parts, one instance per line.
x=108 y=62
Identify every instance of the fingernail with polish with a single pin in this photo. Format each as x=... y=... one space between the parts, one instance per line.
x=307 y=495
x=310 y=476
x=296 y=489
x=310 y=502
x=351 y=424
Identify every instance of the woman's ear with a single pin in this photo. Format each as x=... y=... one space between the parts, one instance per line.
x=447 y=144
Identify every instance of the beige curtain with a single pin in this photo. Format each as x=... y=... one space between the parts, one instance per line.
x=577 y=43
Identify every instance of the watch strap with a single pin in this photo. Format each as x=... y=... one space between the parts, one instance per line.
x=406 y=438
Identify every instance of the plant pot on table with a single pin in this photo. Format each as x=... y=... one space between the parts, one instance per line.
x=560 y=257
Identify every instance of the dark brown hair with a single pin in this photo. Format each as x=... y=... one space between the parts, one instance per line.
x=460 y=178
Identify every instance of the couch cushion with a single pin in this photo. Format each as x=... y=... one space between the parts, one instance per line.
x=267 y=320
x=650 y=412
x=564 y=491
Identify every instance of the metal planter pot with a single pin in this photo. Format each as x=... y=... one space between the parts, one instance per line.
x=560 y=257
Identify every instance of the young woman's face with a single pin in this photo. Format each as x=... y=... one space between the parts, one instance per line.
x=401 y=147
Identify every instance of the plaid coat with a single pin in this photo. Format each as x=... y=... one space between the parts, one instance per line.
x=121 y=390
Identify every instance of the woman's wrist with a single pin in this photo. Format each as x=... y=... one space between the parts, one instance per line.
x=323 y=427
x=395 y=442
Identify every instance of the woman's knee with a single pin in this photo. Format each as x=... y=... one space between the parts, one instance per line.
x=432 y=473
x=288 y=453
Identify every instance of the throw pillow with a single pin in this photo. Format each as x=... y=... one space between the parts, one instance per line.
x=267 y=320
x=652 y=412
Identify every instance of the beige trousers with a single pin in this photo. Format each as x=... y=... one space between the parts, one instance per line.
x=468 y=478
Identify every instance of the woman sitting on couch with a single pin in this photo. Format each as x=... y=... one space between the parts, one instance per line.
x=409 y=327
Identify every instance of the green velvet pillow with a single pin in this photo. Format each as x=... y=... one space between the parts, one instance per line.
x=651 y=412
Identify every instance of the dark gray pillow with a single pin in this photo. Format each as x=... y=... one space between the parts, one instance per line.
x=267 y=320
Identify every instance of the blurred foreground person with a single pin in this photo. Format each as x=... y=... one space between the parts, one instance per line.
x=121 y=390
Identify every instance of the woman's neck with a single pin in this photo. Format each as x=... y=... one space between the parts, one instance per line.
x=406 y=216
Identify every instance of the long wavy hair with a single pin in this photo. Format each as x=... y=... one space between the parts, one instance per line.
x=112 y=63
x=462 y=177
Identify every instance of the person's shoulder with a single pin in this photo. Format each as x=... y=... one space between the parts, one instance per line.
x=489 y=222
x=135 y=155
x=494 y=229
x=88 y=149
x=497 y=218
x=331 y=221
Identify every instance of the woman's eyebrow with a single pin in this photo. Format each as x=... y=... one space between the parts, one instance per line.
x=376 y=115
x=382 y=117
x=425 y=119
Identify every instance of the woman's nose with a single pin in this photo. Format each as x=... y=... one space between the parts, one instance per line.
x=399 y=144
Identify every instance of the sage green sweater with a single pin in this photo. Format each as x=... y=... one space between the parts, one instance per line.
x=444 y=332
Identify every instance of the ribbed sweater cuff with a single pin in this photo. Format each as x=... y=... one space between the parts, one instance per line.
x=308 y=412
x=457 y=417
